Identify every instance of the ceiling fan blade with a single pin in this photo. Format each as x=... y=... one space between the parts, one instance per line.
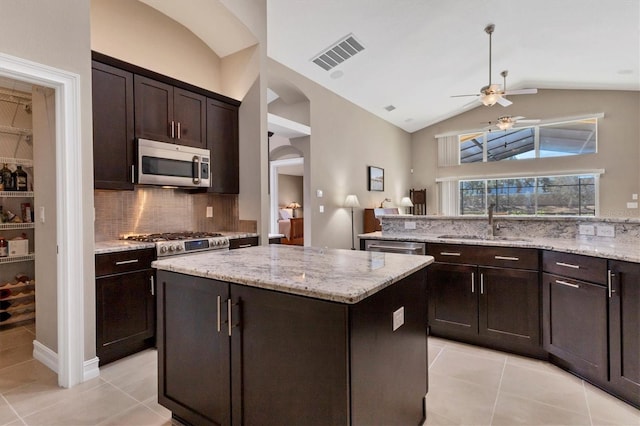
x=461 y=96
x=504 y=101
x=528 y=121
x=521 y=92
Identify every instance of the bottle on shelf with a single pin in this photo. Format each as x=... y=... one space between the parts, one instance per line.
x=19 y=179
x=4 y=247
x=7 y=178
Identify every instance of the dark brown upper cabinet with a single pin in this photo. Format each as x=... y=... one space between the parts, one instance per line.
x=169 y=114
x=222 y=141
x=113 y=130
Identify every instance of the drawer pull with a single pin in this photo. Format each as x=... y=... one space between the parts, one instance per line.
x=126 y=262
x=567 y=284
x=473 y=280
x=568 y=265
x=244 y=245
x=229 y=306
x=218 y=314
x=449 y=253
x=153 y=287
x=515 y=259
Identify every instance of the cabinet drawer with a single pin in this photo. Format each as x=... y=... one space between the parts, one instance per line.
x=236 y=243
x=124 y=261
x=508 y=257
x=576 y=266
x=453 y=253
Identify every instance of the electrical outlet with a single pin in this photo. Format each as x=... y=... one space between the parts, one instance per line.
x=606 y=231
x=587 y=230
x=321 y=209
x=398 y=318
x=319 y=193
x=632 y=205
x=634 y=196
x=409 y=225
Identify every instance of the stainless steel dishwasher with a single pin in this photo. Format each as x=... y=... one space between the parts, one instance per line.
x=403 y=247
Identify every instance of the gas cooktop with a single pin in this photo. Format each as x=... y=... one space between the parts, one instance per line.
x=172 y=236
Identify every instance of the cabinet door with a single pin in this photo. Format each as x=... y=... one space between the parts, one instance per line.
x=190 y=111
x=624 y=329
x=194 y=371
x=575 y=325
x=113 y=133
x=153 y=109
x=125 y=313
x=222 y=141
x=509 y=308
x=288 y=359
x=453 y=300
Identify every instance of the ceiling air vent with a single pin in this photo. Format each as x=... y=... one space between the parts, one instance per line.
x=337 y=53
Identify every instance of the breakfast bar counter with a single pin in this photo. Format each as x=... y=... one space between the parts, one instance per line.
x=274 y=335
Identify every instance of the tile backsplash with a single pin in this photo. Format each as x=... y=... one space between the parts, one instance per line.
x=148 y=210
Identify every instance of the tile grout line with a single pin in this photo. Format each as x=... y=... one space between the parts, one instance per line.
x=495 y=404
x=13 y=409
x=586 y=400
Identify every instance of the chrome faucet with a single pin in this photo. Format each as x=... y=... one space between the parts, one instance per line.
x=492 y=228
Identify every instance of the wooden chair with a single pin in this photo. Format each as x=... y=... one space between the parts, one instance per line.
x=419 y=200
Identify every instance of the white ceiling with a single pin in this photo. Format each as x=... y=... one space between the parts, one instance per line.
x=420 y=52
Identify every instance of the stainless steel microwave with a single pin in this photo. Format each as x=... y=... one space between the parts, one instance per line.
x=168 y=164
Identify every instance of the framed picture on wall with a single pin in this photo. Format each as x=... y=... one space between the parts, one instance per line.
x=376 y=178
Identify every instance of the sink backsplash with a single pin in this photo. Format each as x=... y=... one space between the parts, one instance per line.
x=625 y=230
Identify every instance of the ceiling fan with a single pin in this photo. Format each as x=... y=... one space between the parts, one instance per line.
x=491 y=93
x=507 y=122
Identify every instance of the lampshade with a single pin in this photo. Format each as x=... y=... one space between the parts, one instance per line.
x=406 y=202
x=294 y=205
x=490 y=99
x=351 y=201
x=504 y=125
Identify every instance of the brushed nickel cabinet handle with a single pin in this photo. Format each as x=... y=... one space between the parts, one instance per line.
x=449 y=253
x=473 y=282
x=515 y=259
x=568 y=265
x=481 y=283
x=229 y=315
x=244 y=245
x=610 y=276
x=133 y=173
x=179 y=130
x=125 y=262
x=567 y=284
x=173 y=129
x=218 y=313
x=153 y=287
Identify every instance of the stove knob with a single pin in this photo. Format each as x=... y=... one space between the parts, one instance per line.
x=179 y=248
x=163 y=249
x=172 y=247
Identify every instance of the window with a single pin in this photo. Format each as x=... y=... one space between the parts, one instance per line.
x=547 y=140
x=545 y=195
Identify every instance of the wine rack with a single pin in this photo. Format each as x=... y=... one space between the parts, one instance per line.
x=17 y=302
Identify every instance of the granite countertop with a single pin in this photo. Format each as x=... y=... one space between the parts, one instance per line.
x=345 y=276
x=600 y=247
x=112 y=246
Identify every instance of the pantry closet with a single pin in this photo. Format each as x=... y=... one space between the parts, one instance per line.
x=17 y=266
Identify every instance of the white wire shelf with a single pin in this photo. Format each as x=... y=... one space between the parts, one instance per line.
x=23 y=225
x=24 y=162
x=16 y=194
x=15 y=130
x=16 y=259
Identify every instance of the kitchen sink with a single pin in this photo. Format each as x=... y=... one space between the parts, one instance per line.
x=481 y=238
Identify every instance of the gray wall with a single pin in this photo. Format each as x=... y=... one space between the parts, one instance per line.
x=618 y=147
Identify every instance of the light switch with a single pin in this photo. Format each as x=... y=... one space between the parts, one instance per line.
x=209 y=211
x=319 y=193
x=398 y=318
x=42 y=214
x=634 y=196
x=633 y=205
x=321 y=209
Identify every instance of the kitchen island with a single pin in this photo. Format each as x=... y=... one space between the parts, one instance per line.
x=293 y=335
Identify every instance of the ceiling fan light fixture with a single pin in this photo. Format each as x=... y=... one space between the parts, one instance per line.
x=490 y=99
x=504 y=125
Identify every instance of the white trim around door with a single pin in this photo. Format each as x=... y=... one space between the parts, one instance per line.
x=69 y=184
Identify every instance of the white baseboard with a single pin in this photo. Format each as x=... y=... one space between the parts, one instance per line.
x=45 y=355
x=90 y=369
x=50 y=359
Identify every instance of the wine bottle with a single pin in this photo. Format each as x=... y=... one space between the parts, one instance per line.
x=7 y=178
x=20 y=179
x=4 y=316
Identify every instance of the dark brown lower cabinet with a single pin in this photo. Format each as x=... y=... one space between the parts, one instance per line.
x=125 y=304
x=624 y=330
x=575 y=325
x=495 y=307
x=233 y=354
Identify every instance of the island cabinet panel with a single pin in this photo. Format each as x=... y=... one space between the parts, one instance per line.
x=624 y=330
x=486 y=295
x=113 y=133
x=283 y=359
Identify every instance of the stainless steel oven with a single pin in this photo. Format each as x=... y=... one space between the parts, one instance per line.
x=403 y=247
x=168 y=164
x=183 y=243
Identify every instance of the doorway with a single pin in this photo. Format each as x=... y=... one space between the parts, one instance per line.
x=287 y=199
x=65 y=216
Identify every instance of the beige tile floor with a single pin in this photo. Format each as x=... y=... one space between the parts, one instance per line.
x=468 y=385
